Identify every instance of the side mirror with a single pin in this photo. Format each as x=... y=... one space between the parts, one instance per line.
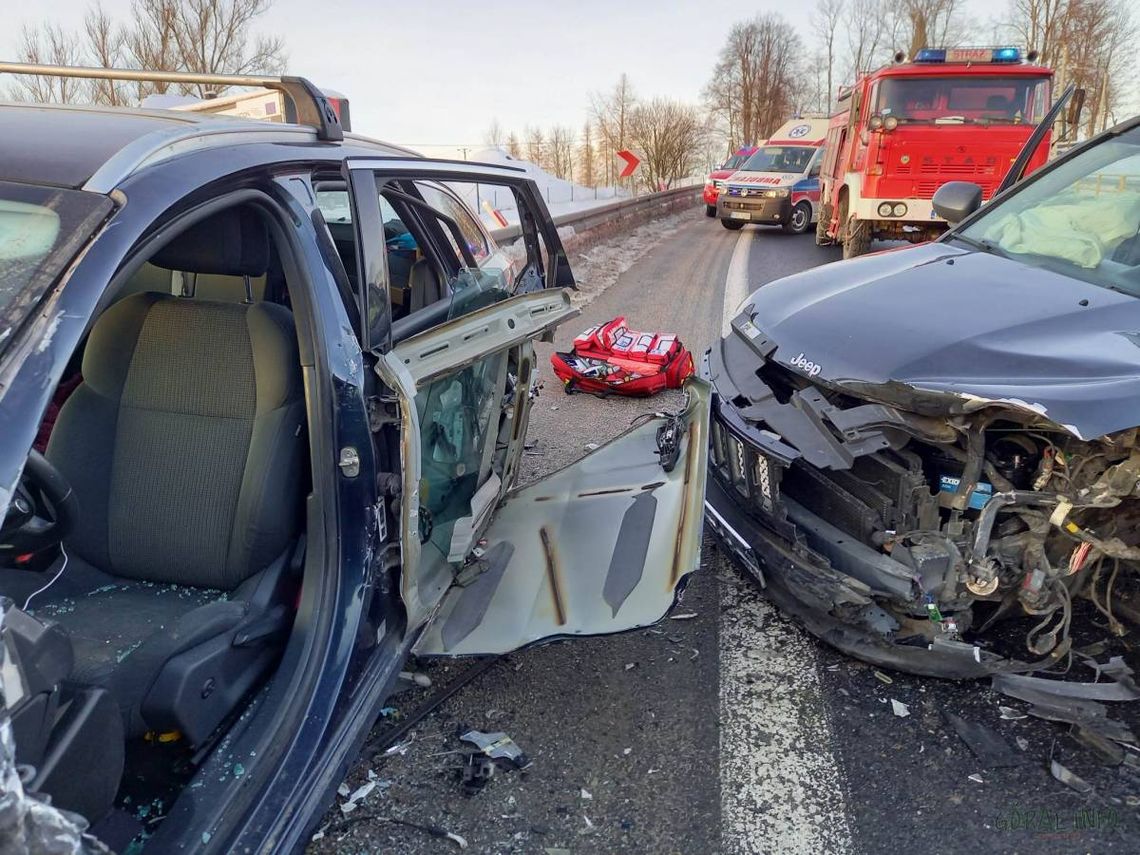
x=956 y=200
x=815 y=170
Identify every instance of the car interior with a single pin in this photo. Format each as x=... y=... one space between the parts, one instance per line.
x=160 y=597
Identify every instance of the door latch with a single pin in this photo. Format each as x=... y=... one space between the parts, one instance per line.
x=349 y=462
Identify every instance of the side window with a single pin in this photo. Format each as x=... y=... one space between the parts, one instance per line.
x=458 y=417
x=443 y=201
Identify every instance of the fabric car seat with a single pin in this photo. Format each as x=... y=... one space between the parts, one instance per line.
x=185 y=445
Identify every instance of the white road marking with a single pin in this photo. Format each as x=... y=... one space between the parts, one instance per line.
x=781 y=790
x=736 y=282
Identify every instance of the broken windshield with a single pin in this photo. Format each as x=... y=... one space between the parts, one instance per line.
x=41 y=228
x=1081 y=218
x=960 y=99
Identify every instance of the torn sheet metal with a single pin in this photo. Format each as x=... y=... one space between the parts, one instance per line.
x=601 y=546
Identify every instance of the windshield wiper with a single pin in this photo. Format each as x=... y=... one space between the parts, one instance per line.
x=984 y=245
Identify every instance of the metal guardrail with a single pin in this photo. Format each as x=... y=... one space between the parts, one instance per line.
x=605 y=214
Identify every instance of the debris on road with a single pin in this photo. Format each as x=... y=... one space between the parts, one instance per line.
x=987 y=745
x=585 y=794
x=976 y=778
x=1010 y=714
x=883 y=678
x=497 y=746
x=900 y=709
x=685 y=616
x=358 y=795
x=1069 y=779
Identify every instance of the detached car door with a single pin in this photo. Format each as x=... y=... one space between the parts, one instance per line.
x=598 y=547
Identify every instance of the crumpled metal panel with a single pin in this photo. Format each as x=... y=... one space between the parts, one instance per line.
x=598 y=547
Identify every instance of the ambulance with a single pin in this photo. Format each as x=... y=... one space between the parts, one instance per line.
x=779 y=183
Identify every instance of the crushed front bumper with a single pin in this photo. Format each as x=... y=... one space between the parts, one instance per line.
x=810 y=569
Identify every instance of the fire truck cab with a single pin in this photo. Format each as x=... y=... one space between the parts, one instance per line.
x=903 y=131
x=779 y=183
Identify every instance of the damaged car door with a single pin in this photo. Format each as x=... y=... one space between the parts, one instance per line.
x=600 y=546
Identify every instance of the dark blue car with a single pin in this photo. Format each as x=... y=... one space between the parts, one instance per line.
x=263 y=395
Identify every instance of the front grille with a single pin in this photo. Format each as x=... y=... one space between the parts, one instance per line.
x=741 y=466
x=731 y=205
x=956 y=169
x=926 y=189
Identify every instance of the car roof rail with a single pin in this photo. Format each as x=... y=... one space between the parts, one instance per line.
x=310 y=104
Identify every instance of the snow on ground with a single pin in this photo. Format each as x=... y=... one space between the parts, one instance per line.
x=562 y=196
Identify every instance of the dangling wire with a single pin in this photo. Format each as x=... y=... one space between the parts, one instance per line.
x=51 y=581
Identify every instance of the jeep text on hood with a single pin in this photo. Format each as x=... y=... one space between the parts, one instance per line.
x=916 y=445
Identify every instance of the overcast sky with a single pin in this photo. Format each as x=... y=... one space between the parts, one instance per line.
x=437 y=72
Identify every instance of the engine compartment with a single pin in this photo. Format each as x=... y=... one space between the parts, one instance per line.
x=1017 y=513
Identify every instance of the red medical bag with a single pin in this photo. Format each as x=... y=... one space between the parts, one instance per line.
x=612 y=358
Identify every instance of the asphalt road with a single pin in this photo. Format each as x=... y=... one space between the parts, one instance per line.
x=729 y=731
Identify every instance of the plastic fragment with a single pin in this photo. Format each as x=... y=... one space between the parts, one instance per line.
x=585 y=794
x=900 y=709
x=883 y=678
x=685 y=616
x=1022 y=743
x=591 y=446
x=976 y=778
x=457 y=839
x=343 y=790
x=1010 y=714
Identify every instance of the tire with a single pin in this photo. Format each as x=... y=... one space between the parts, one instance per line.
x=800 y=219
x=710 y=210
x=822 y=238
x=732 y=225
x=856 y=235
x=858 y=239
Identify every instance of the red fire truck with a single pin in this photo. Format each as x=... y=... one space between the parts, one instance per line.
x=905 y=130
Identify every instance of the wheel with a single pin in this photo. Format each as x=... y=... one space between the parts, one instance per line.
x=800 y=219
x=856 y=235
x=732 y=225
x=710 y=210
x=858 y=239
x=822 y=238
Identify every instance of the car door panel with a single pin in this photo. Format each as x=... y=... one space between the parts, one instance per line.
x=601 y=546
x=421 y=371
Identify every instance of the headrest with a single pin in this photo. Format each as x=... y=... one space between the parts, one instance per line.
x=234 y=242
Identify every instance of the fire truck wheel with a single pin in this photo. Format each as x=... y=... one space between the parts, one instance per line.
x=732 y=225
x=858 y=238
x=822 y=238
x=710 y=210
x=800 y=219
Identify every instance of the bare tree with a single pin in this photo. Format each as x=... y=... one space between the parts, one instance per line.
x=514 y=146
x=205 y=36
x=825 y=22
x=587 y=156
x=493 y=137
x=867 y=35
x=561 y=146
x=1089 y=43
x=106 y=42
x=670 y=136
x=50 y=44
x=757 y=80
x=611 y=113
x=536 y=147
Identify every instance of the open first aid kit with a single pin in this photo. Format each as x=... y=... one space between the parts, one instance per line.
x=611 y=358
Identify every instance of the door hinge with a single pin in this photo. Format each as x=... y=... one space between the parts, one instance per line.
x=349 y=462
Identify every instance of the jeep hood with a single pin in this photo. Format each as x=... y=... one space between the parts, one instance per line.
x=944 y=319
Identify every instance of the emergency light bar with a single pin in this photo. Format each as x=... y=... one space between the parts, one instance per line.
x=997 y=54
